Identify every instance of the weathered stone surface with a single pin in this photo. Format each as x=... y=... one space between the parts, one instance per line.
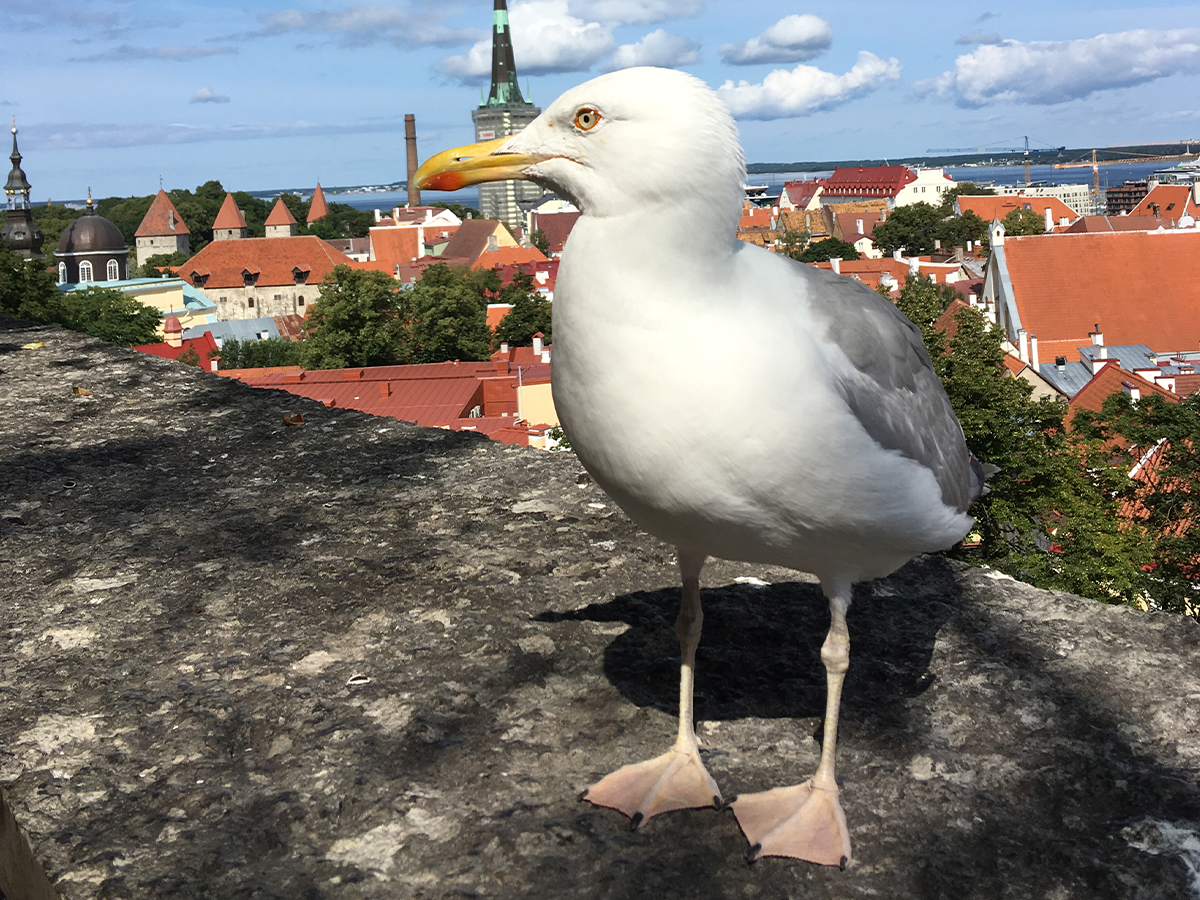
x=357 y=659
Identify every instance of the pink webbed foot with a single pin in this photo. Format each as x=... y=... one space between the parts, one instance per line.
x=803 y=821
x=675 y=780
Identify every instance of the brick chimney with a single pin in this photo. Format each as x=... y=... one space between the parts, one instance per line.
x=410 y=143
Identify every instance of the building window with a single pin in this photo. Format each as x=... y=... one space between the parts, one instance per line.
x=250 y=303
x=249 y=278
x=62 y=273
x=301 y=301
x=114 y=271
x=279 y=296
x=85 y=272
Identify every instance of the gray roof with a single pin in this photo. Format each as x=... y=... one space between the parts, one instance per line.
x=1071 y=377
x=237 y=329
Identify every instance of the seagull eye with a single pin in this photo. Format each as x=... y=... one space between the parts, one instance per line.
x=587 y=118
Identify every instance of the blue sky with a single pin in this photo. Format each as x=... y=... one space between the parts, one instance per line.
x=113 y=94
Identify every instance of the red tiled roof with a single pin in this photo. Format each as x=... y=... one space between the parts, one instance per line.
x=1095 y=224
x=847 y=224
x=1112 y=379
x=202 y=345
x=549 y=266
x=394 y=246
x=471 y=239
x=436 y=395
x=229 y=216
x=274 y=259
x=876 y=181
x=507 y=256
x=1172 y=201
x=1186 y=385
x=756 y=219
x=496 y=313
x=557 y=227
x=161 y=219
x=317 y=207
x=1140 y=287
x=280 y=214
x=291 y=326
x=802 y=192
x=999 y=206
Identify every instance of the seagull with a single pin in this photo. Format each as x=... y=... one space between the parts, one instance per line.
x=733 y=402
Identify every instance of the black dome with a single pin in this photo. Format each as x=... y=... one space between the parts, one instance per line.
x=92 y=234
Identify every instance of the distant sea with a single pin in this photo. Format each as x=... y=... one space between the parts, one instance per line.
x=998 y=176
x=385 y=200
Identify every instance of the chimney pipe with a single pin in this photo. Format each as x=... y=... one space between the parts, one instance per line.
x=1033 y=352
x=1196 y=192
x=835 y=263
x=537 y=343
x=410 y=142
x=1049 y=214
x=1097 y=336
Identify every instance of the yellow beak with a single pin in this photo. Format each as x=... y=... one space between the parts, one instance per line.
x=475 y=163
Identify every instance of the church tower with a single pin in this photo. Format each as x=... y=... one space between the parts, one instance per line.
x=504 y=112
x=19 y=232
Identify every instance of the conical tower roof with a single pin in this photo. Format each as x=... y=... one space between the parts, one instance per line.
x=505 y=90
x=280 y=214
x=17 y=183
x=318 y=208
x=229 y=216
x=161 y=219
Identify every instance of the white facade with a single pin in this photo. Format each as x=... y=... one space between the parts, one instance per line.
x=1077 y=196
x=929 y=187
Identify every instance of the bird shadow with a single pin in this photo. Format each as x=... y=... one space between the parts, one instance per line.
x=760 y=652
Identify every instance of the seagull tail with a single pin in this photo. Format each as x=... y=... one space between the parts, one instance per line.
x=980 y=473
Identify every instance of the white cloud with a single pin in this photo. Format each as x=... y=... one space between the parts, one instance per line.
x=806 y=89
x=207 y=95
x=175 y=52
x=656 y=49
x=361 y=24
x=791 y=39
x=979 y=36
x=1046 y=72
x=632 y=12
x=546 y=38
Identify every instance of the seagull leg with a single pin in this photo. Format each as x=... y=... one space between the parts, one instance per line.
x=805 y=821
x=677 y=779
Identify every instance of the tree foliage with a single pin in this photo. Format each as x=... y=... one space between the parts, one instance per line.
x=358 y=319
x=449 y=315
x=530 y=313
x=252 y=354
x=459 y=209
x=792 y=243
x=962 y=189
x=912 y=228
x=830 y=248
x=1023 y=221
x=541 y=241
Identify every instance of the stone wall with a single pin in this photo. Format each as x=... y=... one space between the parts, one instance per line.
x=357 y=659
x=269 y=300
x=166 y=243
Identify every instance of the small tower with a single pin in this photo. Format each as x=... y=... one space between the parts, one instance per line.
x=19 y=232
x=162 y=230
x=230 y=224
x=91 y=249
x=173 y=331
x=317 y=208
x=504 y=112
x=281 y=223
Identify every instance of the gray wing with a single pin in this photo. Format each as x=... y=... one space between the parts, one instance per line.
x=894 y=391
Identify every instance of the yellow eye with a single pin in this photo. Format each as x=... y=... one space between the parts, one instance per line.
x=587 y=118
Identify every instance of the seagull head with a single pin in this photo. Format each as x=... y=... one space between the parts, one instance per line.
x=633 y=140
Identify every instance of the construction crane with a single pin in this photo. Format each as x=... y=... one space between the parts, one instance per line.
x=1023 y=150
x=1097 y=163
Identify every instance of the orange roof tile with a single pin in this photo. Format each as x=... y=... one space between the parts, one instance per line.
x=1093 y=224
x=317 y=207
x=229 y=216
x=999 y=206
x=1167 y=201
x=1141 y=287
x=507 y=256
x=471 y=239
x=1112 y=379
x=280 y=214
x=394 y=246
x=161 y=219
x=496 y=313
x=274 y=259
x=556 y=226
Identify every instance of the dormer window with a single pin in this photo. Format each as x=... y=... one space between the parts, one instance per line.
x=300 y=273
x=249 y=279
x=198 y=280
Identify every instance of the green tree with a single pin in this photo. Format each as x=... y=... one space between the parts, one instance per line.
x=530 y=313
x=252 y=354
x=1023 y=221
x=126 y=213
x=358 y=319
x=957 y=230
x=1047 y=519
x=541 y=241
x=962 y=189
x=342 y=221
x=912 y=228
x=1163 y=502
x=449 y=316
x=105 y=313
x=792 y=243
x=830 y=248
x=149 y=268
x=27 y=290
